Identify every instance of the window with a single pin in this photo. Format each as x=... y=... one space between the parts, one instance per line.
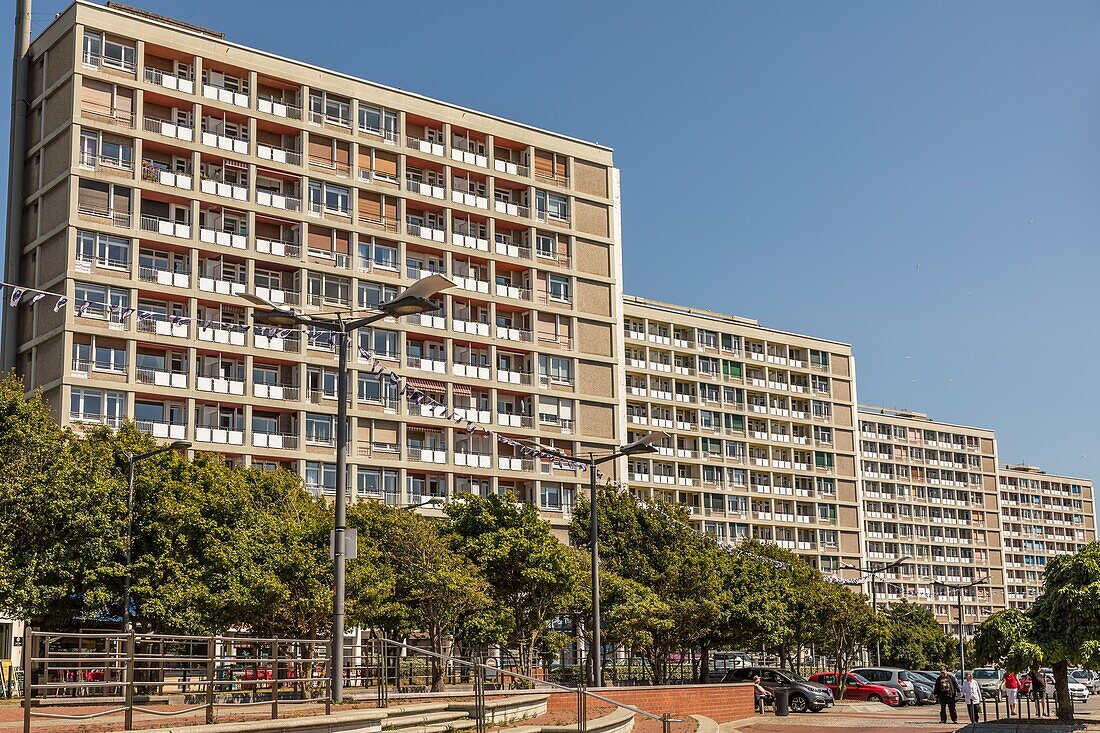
x=551 y=206
x=556 y=368
x=382 y=343
x=559 y=288
x=319 y=429
x=378 y=121
x=95 y=300
x=103 y=249
x=321 y=476
x=93 y=404
x=826 y=512
x=100 y=49
x=550 y=496
x=336 y=199
x=377 y=482
x=385 y=257
x=109 y=358
x=376 y=389
x=371 y=295
x=324 y=108
x=264 y=423
x=545 y=245
x=819 y=359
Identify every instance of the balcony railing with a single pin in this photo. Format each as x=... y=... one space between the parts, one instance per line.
x=166 y=178
x=116 y=218
x=335 y=167
x=511 y=209
x=169 y=81
x=280 y=441
x=237 y=145
x=162 y=378
x=167 y=227
x=169 y=129
x=107 y=164
x=378 y=222
x=107 y=114
x=279 y=247
x=287 y=156
x=223 y=94
x=512 y=169
x=164 y=277
x=278 y=200
x=98 y=61
x=237 y=240
x=277 y=107
x=425 y=146
x=286 y=392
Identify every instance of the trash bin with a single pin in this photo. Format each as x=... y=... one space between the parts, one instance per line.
x=782 y=701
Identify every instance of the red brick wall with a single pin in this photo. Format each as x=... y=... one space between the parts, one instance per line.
x=721 y=703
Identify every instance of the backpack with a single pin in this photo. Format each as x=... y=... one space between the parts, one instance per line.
x=943 y=684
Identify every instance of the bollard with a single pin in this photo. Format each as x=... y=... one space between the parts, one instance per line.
x=275 y=679
x=210 y=681
x=128 y=721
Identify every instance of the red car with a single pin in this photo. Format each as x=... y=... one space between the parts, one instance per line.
x=858 y=688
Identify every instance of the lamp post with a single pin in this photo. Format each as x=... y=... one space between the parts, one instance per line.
x=412 y=301
x=959 y=588
x=873 y=572
x=642 y=445
x=131 y=461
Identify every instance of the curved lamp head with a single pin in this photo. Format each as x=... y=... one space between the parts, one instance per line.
x=415 y=298
x=275 y=315
x=645 y=444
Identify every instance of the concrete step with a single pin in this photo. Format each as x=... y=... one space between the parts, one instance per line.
x=403 y=721
x=454 y=725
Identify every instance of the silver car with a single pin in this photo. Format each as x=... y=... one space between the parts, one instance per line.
x=899 y=679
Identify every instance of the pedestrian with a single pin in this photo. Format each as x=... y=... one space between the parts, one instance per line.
x=1039 y=693
x=1011 y=685
x=972 y=696
x=947 y=693
x=760 y=693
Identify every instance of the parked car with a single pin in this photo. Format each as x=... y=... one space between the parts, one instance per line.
x=1077 y=691
x=989 y=680
x=899 y=679
x=804 y=695
x=922 y=689
x=1089 y=679
x=858 y=688
x=722 y=662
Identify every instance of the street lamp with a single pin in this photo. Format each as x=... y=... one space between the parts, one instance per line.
x=132 y=460
x=959 y=588
x=873 y=572
x=645 y=444
x=412 y=301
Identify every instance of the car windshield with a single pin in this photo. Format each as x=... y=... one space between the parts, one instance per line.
x=793 y=676
x=985 y=674
x=852 y=676
x=1080 y=674
x=906 y=677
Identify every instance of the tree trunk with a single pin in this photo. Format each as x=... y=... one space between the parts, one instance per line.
x=1061 y=690
x=704 y=664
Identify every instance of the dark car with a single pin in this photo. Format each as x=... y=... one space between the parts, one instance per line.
x=857 y=688
x=922 y=689
x=804 y=695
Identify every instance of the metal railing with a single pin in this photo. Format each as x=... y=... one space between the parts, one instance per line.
x=394 y=664
x=117 y=673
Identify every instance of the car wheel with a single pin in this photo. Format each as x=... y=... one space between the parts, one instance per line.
x=874 y=698
x=799 y=703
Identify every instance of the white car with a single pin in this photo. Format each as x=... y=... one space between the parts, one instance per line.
x=1077 y=691
x=1089 y=679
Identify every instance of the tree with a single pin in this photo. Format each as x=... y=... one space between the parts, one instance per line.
x=654 y=547
x=1066 y=624
x=530 y=573
x=1004 y=638
x=62 y=521
x=848 y=626
x=432 y=588
x=914 y=638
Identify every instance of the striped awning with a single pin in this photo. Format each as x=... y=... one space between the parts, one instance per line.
x=425 y=385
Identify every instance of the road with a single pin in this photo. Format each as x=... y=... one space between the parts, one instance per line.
x=872 y=719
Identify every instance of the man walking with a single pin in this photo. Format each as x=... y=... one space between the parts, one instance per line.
x=947 y=693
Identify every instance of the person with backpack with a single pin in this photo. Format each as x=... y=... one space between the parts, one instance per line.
x=947 y=694
x=1039 y=692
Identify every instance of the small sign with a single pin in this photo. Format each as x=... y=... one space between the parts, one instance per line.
x=351 y=544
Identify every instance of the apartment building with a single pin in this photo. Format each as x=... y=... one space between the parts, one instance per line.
x=1042 y=516
x=168 y=170
x=762 y=429
x=930 y=499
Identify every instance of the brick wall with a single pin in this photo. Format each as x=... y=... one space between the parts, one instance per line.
x=721 y=703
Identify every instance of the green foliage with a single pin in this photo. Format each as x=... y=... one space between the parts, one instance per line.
x=530 y=573
x=914 y=639
x=1003 y=639
x=213 y=547
x=849 y=626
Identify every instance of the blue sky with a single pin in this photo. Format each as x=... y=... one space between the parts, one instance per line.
x=920 y=179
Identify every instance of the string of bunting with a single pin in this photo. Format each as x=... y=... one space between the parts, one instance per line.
x=30 y=297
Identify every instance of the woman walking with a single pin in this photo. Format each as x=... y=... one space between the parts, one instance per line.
x=1011 y=685
x=972 y=696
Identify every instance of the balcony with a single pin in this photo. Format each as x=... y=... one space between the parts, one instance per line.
x=474 y=460
x=108 y=166
x=467 y=194
x=289 y=343
x=508 y=248
x=216 y=187
x=223 y=238
x=159 y=429
x=161 y=325
x=474 y=328
x=509 y=376
x=220 y=332
x=507 y=207
x=471 y=283
x=285 y=156
x=169 y=129
x=278 y=200
x=426 y=231
x=237 y=145
x=169 y=81
x=164 y=277
x=219 y=385
x=152 y=174
x=279 y=247
x=225 y=95
x=285 y=392
x=414 y=184
x=435 y=454
x=221 y=285
x=511 y=463
x=162 y=378
x=514 y=334
x=217 y=434
x=471 y=370
x=428 y=365
x=513 y=169
x=277 y=441
x=278 y=107
x=514 y=420
x=166 y=227
x=506 y=290
x=425 y=146
x=474 y=240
